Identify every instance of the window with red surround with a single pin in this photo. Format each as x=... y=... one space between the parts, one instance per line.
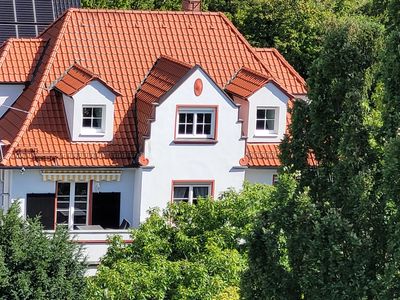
x=196 y=124
x=191 y=191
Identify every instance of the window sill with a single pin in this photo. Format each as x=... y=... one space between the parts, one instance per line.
x=194 y=141
x=93 y=133
x=265 y=135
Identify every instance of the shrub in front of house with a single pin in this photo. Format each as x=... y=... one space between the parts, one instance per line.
x=35 y=265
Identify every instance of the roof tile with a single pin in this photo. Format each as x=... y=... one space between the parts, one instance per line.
x=282 y=70
x=120 y=47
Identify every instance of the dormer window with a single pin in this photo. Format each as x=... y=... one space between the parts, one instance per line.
x=89 y=105
x=92 y=118
x=266 y=120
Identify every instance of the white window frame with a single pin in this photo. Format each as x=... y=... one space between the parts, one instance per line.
x=71 y=208
x=191 y=186
x=195 y=112
x=267 y=132
x=94 y=130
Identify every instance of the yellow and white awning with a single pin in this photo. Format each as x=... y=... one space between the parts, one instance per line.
x=81 y=175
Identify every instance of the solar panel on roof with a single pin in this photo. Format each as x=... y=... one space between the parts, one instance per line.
x=7 y=11
x=44 y=11
x=27 y=18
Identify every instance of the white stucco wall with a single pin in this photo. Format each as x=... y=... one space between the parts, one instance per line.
x=94 y=94
x=263 y=176
x=8 y=94
x=268 y=96
x=191 y=162
x=31 y=181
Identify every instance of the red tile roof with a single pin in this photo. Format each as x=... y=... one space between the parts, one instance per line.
x=267 y=155
x=263 y=155
x=76 y=78
x=282 y=70
x=120 y=46
x=247 y=81
x=18 y=59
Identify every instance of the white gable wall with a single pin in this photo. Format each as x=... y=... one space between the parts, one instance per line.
x=93 y=94
x=8 y=94
x=191 y=162
x=272 y=97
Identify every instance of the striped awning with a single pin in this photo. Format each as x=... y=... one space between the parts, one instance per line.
x=81 y=175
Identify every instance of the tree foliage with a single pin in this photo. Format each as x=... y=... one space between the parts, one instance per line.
x=36 y=266
x=331 y=218
x=188 y=252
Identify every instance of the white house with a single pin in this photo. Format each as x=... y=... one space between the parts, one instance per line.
x=109 y=113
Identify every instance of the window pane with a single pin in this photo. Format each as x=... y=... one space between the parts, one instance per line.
x=270 y=124
x=87 y=123
x=260 y=124
x=87 y=112
x=189 y=118
x=207 y=129
x=62 y=205
x=97 y=112
x=63 y=188
x=270 y=114
x=189 y=129
x=199 y=129
x=200 y=191
x=80 y=220
x=80 y=206
x=81 y=188
x=181 y=129
x=208 y=118
x=182 y=118
x=200 y=118
x=181 y=192
x=260 y=113
x=96 y=123
x=62 y=217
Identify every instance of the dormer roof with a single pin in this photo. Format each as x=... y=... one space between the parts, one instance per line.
x=162 y=77
x=247 y=81
x=77 y=77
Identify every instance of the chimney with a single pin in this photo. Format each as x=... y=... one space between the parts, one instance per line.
x=191 y=5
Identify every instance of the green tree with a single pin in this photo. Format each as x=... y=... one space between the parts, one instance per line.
x=391 y=137
x=36 y=266
x=332 y=217
x=189 y=252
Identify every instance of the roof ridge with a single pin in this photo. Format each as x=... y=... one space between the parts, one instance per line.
x=138 y=11
x=5 y=47
x=34 y=107
x=245 y=42
x=247 y=69
x=175 y=60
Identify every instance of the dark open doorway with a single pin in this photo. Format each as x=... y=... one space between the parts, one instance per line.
x=106 y=209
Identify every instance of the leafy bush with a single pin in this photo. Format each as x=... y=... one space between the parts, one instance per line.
x=36 y=266
x=188 y=252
